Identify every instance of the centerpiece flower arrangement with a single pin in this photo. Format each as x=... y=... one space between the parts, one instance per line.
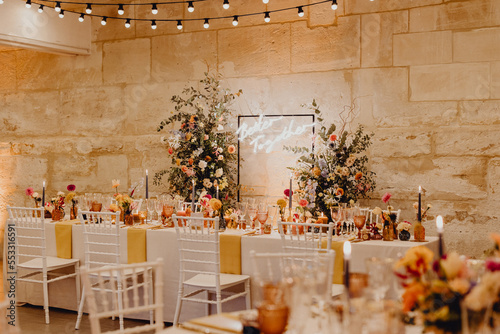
x=201 y=148
x=71 y=198
x=389 y=219
x=56 y=206
x=336 y=171
x=33 y=195
x=124 y=202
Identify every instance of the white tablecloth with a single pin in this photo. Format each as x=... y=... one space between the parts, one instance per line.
x=163 y=243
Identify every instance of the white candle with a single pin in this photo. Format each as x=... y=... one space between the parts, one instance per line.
x=439 y=227
x=147 y=188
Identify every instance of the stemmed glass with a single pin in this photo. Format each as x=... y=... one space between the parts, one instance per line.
x=272 y=210
x=262 y=214
x=158 y=208
x=252 y=212
x=150 y=206
x=359 y=219
x=242 y=212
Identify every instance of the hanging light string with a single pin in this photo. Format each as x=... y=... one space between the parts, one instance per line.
x=85 y=12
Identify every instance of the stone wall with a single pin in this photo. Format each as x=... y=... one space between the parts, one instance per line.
x=422 y=74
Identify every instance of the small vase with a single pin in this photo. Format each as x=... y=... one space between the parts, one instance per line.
x=128 y=219
x=404 y=235
x=73 y=212
x=56 y=214
x=419 y=232
x=388 y=232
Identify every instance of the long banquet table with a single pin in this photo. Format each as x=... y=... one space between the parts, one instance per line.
x=163 y=243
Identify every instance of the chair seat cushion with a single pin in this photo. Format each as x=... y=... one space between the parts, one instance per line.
x=52 y=263
x=208 y=281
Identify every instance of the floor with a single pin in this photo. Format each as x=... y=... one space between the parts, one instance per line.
x=31 y=319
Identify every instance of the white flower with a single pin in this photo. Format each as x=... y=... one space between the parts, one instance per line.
x=220 y=150
x=198 y=152
x=350 y=161
x=345 y=171
x=221 y=157
x=452 y=265
x=35 y=195
x=220 y=127
x=60 y=193
x=202 y=164
x=219 y=172
x=207 y=183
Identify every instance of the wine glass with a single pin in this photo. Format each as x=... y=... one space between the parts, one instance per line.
x=262 y=214
x=272 y=210
x=158 y=208
x=150 y=206
x=359 y=220
x=252 y=213
x=242 y=212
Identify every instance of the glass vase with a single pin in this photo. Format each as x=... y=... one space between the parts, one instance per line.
x=419 y=232
x=128 y=219
x=388 y=232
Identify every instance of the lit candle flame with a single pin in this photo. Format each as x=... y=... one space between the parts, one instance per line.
x=347 y=250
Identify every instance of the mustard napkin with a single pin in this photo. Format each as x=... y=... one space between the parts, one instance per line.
x=338 y=267
x=230 y=253
x=64 y=236
x=136 y=243
x=223 y=322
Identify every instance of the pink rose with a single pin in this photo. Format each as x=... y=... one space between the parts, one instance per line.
x=29 y=191
x=303 y=202
x=386 y=197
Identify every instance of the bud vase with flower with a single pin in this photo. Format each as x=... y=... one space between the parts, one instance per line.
x=419 y=229
x=36 y=198
x=71 y=198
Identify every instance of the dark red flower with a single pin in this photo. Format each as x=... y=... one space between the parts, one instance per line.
x=493 y=266
x=287 y=192
x=71 y=187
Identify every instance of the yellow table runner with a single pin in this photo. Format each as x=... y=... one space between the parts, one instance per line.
x=338 y=267
x=230 y=253
x=136 y=243
x=64 y=236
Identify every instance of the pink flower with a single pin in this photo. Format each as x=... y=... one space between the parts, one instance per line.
x=287 y=192
x=303 y=202
x=492 y=266
x=71 y=187
x=170 y=150
x=208 y=196
x=29 y=191
x=386 y=198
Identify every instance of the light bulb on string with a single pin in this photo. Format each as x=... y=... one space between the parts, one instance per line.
x=300 y=11
x=225 y=4
x=40 y=9
x=88 y=10
x=153 y=24
x=57 y=8
x=104 y=20
x=206 y=24
x=61 y=13
x=265 y=1
x=127 y=23
x=179 y=24
x=28 y=3
x=121 y=11
x=334 y=5
x=235 y=20
x=1 y=2
x=82 y=17
x=190 y=7
x=267 y=17
x=154 y=9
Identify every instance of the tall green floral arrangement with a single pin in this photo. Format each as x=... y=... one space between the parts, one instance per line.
x=201 y=147
x=335 y=170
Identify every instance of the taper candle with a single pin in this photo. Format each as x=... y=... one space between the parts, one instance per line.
x=419 y=212
x=217 y=194
x=439 y=228
x=192 y=197
x=347 y=258
x=147 y=185
x=290 y=193
x=43 y=196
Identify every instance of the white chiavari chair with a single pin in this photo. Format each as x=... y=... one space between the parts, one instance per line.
x=199 y=267
x=102 y=283
x=31 y=254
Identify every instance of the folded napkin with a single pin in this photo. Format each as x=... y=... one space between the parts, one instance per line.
x=338 y=267
x=223 y=322
x=230 y=253
x=136 y=243
x=64 y=236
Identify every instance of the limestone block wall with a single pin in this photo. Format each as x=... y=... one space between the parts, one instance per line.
x=423 y=75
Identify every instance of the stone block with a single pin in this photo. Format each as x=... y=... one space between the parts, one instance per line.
x=8 y=70
x=423 y=48
x=323 y=14
x=400 y=143
x=479 y=112
x=110 y=167
x=377 y=32
x=339 y=47
x=495 y=80
x=471 y=141
x=169 y=56
x=126 y=61
x=469 y=81
x=494 y=180
x=454 y=15
x=362 y=6
x=20 y=172
x=257 y=50
x=256 y=95
x=477 y=45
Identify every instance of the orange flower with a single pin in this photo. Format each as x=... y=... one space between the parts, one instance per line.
x=333 y=137
x=411 y=295
x=316 y=171
x=358 y=176
x=184 y=168
x=178 y=162
x=339 y=192
x=170 y=150
x=496 y=238
x=191 y=120
x=207 y=158
x=189 y=135
x=190 y=161
x=303 y=202
x=231 y=149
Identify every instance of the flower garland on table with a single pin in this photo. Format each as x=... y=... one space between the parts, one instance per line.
x=201 y=148
x=336 y=170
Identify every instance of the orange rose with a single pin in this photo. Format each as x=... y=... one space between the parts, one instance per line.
x=178 y=162
x=231 y=149
x=333 y=137
x=303 y=202
x=316 y=171
x=189 y=135
x=339 y=192
x=191 y=120
x=207 y=158
x=184 y=168
x=190 y=161
x=358 y=176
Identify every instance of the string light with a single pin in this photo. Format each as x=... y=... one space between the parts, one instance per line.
x=127 y=23
x=267 y=17
x=179 y=24
x=206 y=24
x=265 y=1
x=57 y=8
x=300 y=11
x=104 y=20
x=121 y=11
x=190 y=7
x=82 y=17
x=88 y=10
x=235 y=20
x=28 y=3
x=40 y=9
x=1 y=2
x=154 y=9
x=334 y=5
x=61 y=13
x=225 y=4
x=153 y=24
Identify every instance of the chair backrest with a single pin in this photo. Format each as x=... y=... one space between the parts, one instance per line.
x=377 y=217
x=197 y=206
x=29 y=233
x=101 y=285
x=198 y=246
x=101 y=238
x=305 y=237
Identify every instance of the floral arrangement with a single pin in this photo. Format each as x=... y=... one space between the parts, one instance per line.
x=404 y=226
x=200 y=148
x=336 y=170
x=34 y=195
x=125 y=203
x=424 y=210
x=282 y=206
x=387 y=215
x=71 y=196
